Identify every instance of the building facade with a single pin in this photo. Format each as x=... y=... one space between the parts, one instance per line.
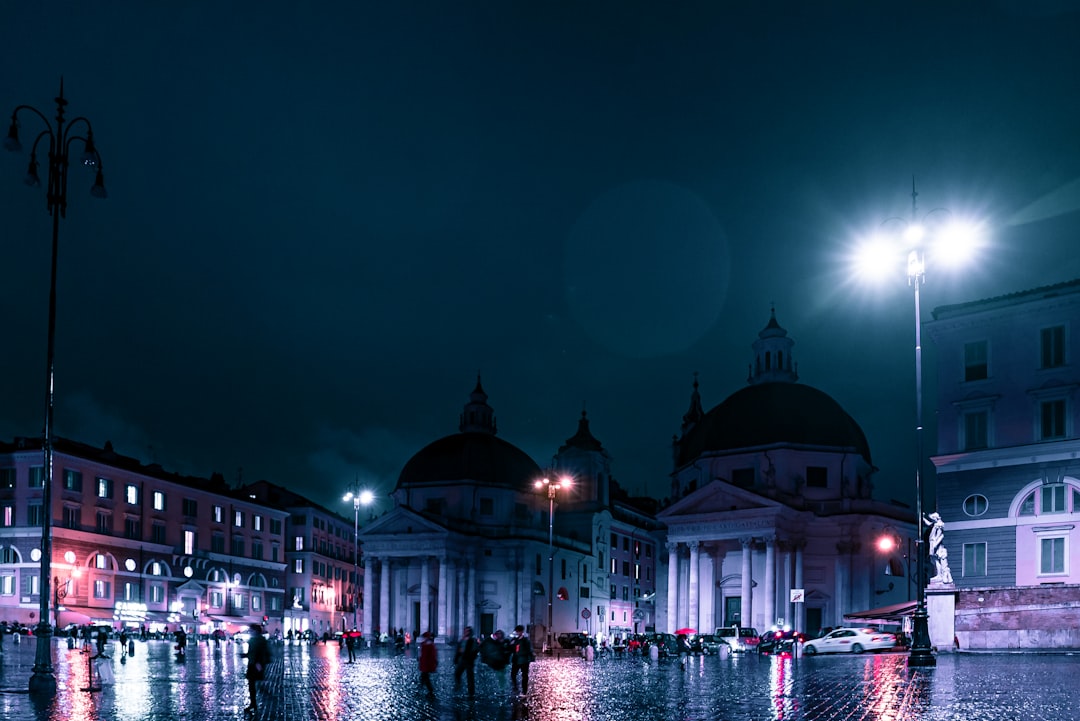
x=773 y=520
x=133 y=545
x=324 y=586
x=473 y=542
x=1008 y=464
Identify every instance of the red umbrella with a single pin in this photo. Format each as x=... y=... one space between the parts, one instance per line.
x=685 y=632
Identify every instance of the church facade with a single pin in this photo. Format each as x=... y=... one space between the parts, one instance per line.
x=773 y=520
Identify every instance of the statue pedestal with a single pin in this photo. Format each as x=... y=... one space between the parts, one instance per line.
x=941 y=616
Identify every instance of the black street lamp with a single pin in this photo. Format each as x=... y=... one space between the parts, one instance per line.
x=358 y=498
x=951 y=244
x=59 y=138
x=553 y=488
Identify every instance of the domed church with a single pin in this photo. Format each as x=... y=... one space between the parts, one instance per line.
x=773 y=520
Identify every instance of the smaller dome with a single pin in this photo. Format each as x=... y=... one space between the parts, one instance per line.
x=471 y=456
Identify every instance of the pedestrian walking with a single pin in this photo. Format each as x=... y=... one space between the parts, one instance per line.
x=123 y=645
x=429 y=661
x=350 y=644
x=465 y=660
x=495 y=654
x=258 y=656
x=683 y=646
x=521 y=655
x=181 y=643
x=102 y=642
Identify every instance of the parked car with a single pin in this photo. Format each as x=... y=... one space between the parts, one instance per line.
x=707 y=643
x=573 y=640
x=850 y=640
x=779 y=640
x=738 y=638
x=666 y=644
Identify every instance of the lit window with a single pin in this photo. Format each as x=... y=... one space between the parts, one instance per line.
x=155 y=569
x=219 y=514
x=104 y=488
x=299 y=543
x=159 y=501
x=298 y=565
x=131 y=494
x=189 y=542
x=238 y=519
x=257 y=522
x=102 y=589
x=100 y=561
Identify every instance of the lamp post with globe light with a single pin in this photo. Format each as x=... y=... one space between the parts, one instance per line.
x=552 y=489
x=948 y=244
x=57 y=138
x=358 y=498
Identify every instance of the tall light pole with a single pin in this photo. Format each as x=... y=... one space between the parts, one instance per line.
x=553 y=488
x=59 y=138
x=358 y=498
x=956 y=238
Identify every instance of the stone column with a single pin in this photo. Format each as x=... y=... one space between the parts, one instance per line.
x=470 y=595
x=460 y=618
x=425 y=594
x=386 y=578
x=672 y=585
x=746 y=612
x=369 y=600
x=692 y=593
x=800 y=608
x=769 y=606
x=785 y=586
x=440 y=610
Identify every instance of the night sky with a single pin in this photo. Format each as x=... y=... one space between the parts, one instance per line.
x=324 y=221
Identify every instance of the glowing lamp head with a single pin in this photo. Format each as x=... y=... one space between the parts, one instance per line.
x=886 y=544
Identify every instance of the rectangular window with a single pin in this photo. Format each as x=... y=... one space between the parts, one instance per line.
x=104 y=487
x=189 y=543
x=975 y=430
x=37 y=476
x=626 y=593
x=614 y=592
x=1052 y=419
x=299 y=544
x=238 y=545
x=275 y=526
x=539 y=565
x=1052 y=555
x=157 y=593
x=219 y=514
x=626 y=568
x=9 y=515
x=7 y=477
x=257 y=522
x=562 y=570
x=190 y=507
x=1052 y=499
x=131 y=529
x=637 y=571
x=34 y=516
x=217 y=543
x=238 y=519
x=975 y=361
x=7 y=585
x=159 y=501
x=256 y=602
x=102 y=589
x=974 y=559
x=298 y=565
x=131 y=494
x=71 y=517
x=104 y=523
x=274 y=552
x=100 y=561
x=614 y=565
x=216 y=597
x=817 y=477
x=132 y=592
x=614 y=542
x=257 y=550
x=1052 y=347
x=72 y=480
x=157 y=533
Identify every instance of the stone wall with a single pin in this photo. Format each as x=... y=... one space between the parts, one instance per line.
x=1022 y=617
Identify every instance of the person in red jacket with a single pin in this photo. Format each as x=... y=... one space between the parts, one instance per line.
x=429 y=661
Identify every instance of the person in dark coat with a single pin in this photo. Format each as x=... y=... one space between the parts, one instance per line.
x=465 y=660
x=429 y=661
x=102 y=642
x=181 y=642
x=258 y=656
x=521 y=655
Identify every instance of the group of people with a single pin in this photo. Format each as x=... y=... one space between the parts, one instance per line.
x=496 y=652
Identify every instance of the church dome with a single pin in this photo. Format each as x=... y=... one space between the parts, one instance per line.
x=773 y=413
x=479 y=457
x=474 y=454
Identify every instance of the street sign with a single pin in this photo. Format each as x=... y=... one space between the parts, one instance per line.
x=798 y=595
x=585 y=613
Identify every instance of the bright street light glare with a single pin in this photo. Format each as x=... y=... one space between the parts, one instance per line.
x=886 y=544
x=956 y=243
x=366 y=497
x=914 y=233
x=875 y=258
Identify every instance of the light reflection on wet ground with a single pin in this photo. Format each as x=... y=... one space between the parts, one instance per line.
x=315 y=682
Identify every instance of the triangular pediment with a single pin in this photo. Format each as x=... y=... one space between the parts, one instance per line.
x=401 y=522
x=717 y=497
x=192 y=586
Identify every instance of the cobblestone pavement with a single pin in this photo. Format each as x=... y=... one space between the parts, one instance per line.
x=315 y=682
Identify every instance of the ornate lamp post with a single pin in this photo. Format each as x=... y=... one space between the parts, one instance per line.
x=59 y=137
x=358 y=498
x=949 y=246
x=552 y=488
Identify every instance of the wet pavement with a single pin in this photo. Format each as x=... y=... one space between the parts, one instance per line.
x=316 y=682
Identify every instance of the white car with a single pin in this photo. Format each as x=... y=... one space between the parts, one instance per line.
x=850 y=640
